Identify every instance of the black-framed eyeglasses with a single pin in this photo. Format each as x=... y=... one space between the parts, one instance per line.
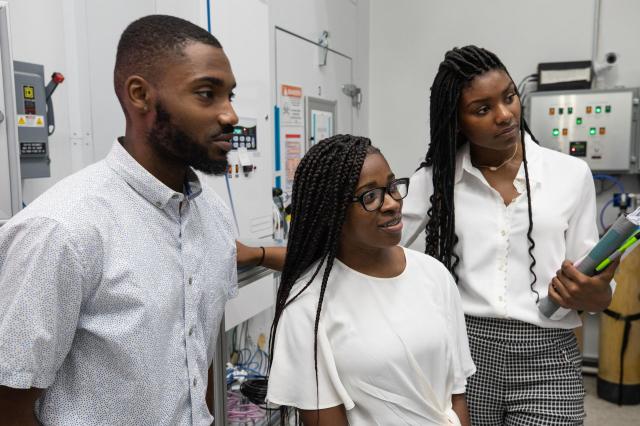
x=373 y=199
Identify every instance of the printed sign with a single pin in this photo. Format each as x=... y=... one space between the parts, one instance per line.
x=29 y=120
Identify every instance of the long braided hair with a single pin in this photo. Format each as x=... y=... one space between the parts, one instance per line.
x=323 y=189
x=455 y=73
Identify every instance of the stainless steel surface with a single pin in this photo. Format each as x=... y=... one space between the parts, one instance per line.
x=218 y=378
x=614 y=144
x=248 y=275
x=245 y=277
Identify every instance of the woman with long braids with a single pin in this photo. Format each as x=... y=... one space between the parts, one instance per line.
x=507 y=218
x=365 y=332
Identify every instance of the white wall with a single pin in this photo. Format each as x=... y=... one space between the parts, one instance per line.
x=409 y=38
x=620 y=33
x=347 y=22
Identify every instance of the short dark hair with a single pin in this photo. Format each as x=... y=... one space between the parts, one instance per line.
x=147 y=42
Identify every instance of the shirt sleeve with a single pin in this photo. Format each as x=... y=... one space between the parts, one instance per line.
x=463 y=365
x=582 y=232
x=229 y=231
x=292 y=379
x=415 y=207
x=41 y=278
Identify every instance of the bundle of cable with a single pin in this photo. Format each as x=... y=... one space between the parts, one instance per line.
x=241 y=413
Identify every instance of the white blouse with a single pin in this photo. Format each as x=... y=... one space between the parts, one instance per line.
x=392 y=350
x=494 y=278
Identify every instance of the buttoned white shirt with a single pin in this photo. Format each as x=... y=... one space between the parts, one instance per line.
x=113 y=287
x=494 y=278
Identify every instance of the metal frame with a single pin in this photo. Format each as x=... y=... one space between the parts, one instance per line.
x=218 y=375
x=10 y=110
x=318 y=104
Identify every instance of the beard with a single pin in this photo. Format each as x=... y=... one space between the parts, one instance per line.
x=173 y=144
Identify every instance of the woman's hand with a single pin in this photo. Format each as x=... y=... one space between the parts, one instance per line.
x=269 y=257
x=334 y=416
x=572 y=289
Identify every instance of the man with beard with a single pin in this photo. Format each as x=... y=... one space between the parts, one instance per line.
x=114 y=281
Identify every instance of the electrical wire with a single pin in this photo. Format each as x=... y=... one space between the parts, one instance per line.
x=525 y=80
x=255 y=390
x=610 y=178
x=241 y=412
x=607 y=204
x=233 y=208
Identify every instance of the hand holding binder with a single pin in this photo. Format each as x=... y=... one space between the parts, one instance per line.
x=615 y=238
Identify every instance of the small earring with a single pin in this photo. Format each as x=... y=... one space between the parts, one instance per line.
x=145 y=108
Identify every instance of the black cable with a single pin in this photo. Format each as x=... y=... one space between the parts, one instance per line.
x=255 y=390
x=524 y=81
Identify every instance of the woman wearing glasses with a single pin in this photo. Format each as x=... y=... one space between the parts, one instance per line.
x=365 y=332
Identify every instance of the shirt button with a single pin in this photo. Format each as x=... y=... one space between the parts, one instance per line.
x=504 y=232
x=191 y=331
x=158 y=203
x=190 y=281
x=195 y=382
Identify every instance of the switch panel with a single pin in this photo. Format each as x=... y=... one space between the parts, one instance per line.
x=604 y=134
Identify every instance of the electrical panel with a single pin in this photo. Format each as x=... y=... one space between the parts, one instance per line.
x=244 y=134
x=597 y=126
x=33 y=130
x=246 y=186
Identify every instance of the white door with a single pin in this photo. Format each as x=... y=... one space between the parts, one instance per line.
x=297 y=66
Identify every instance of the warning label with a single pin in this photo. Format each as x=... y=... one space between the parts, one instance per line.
x=30 y=120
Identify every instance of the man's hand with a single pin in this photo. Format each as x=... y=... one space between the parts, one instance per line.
x=16 y=406
x=572 y=289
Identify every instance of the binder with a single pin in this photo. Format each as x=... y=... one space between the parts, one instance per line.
x=622 y=229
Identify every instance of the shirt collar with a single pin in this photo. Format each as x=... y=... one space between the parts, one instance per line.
x=147 y=185
x=534 y=163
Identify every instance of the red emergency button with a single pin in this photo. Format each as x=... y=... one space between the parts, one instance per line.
x=57 y=77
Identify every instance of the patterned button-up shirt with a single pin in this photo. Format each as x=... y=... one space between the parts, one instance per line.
x=112 y=288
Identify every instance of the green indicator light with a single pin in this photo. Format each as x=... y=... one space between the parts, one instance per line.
x=579 y=120
x=598 y=110
x=607 y=108
x=592 y=131
x=237 y=131
x=556 y=132
x=560 y=111
x=570 y=110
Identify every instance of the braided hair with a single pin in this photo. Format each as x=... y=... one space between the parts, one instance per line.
x=323 y=189
x=455 y=73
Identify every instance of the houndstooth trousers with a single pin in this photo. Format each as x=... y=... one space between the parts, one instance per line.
x=526 y=375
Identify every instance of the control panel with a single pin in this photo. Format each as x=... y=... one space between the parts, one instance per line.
x=244 y=134
x=246 y=186
x=33 y=129
x=597 y=126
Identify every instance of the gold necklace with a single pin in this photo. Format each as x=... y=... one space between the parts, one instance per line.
x=494 y=168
